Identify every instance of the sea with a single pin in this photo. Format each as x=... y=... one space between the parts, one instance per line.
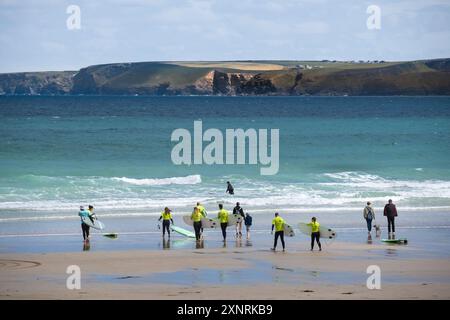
x=114 y=152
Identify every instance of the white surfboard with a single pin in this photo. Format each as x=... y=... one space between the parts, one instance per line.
x=325 y=232
x=288 y=230
x=187 y=219
x=97 y=224
x=233 y=219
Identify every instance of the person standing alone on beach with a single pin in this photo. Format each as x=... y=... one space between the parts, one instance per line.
x=223 y=218
x=315 y=233
x=230 y=188
x=390 y=211
x=369 y=215
x=278 y=224
x=238 y=210
x=248 y=223
x=84 y=227
x=196 y=217
x=166 y=217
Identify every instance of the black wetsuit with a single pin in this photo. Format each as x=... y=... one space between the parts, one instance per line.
x=230 y=189
x=239 y=210
x=197 y=229
x=315 y=236
x=281 y=235
x=85 y=229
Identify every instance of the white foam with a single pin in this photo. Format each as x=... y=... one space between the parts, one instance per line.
x=193 y=179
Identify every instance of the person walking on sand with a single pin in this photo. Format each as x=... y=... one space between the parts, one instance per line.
x=315 y=233
x=238 y=210
x=84 y=227
x=369 y=215
x=223 y=218
x=230 y=188
x=166 y=217
x=248 y=223
x=390 y=212
x=278 y=224
x=196 y=217
x=202 y=211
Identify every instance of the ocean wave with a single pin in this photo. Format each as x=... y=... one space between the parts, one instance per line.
x=192 y=179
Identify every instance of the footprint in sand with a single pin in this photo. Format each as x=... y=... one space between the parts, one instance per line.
x=17 y=264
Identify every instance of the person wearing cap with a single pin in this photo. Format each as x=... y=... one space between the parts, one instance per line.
x=369 y=215
x=84 y=227
x=166 y=217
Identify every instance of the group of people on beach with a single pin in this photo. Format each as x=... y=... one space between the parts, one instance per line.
x=278 y=223
x=390 y=212
x=199 y=212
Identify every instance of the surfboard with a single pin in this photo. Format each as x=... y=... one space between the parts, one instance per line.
x=399 y=240
x=288 y=230
x=233 y=219
x=325 y=232
x=96 y=225
x=187 y=219
x=182 y=231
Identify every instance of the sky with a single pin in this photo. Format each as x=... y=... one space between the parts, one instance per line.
x=34 y=35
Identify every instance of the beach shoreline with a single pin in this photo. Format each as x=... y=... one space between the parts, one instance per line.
x=338 y=272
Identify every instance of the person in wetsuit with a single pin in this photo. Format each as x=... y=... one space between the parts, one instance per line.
x=166 y=217
x=230 y=188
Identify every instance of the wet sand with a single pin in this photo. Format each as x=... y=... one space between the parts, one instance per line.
x=338 y=272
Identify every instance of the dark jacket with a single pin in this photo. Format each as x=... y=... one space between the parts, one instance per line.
x=239 y=210
x=248 y=220
x=390 y=210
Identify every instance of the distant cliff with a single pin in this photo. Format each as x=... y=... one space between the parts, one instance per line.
x=427 y=77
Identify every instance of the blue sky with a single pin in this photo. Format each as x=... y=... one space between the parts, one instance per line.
x=34 y=36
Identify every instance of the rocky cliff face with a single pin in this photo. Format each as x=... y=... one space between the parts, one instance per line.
x=152 y=78
x=51 y=83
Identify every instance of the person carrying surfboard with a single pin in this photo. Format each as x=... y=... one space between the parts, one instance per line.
x=92 y=215
x=84 y=227
x=369 y=215
x=278 y=224
x=223 y=218
x=166 y=217
x=202 y=211
x=239 y=211
x=315 y=233
x=196 y=218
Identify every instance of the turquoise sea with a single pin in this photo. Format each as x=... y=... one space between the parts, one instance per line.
x=114 y=152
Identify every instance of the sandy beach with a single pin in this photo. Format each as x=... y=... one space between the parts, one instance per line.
x=227 y=273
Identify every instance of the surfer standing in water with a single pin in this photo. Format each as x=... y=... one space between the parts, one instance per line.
x=278 y=224
x=196 y=217
x=166 y=217
x=238 y=210
x=230 y=188
x=315 y=233
x=223 y=218
x=84 y=227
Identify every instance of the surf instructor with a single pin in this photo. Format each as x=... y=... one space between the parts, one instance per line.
x=196 y=217
x=278 y=224
x=223 y=218
x=166 y=217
